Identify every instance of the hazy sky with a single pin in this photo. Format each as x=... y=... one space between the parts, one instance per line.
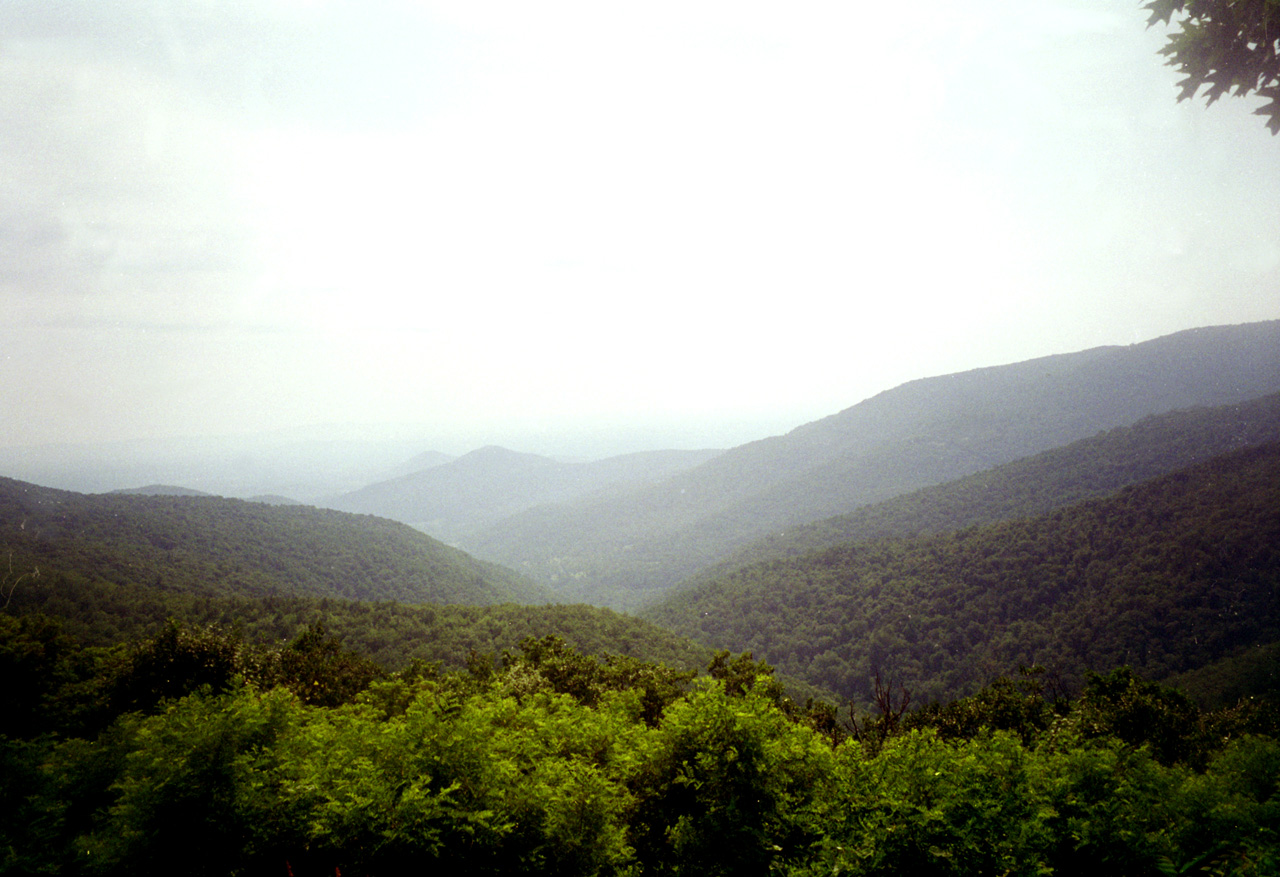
x=500 y=219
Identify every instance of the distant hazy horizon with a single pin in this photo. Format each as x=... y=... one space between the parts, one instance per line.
x=318 y=461
x=575 y=224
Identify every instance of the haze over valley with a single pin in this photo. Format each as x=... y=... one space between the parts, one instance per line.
x=649 y=532
x=584 y=439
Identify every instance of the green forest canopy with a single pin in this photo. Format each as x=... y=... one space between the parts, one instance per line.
x=188 y=753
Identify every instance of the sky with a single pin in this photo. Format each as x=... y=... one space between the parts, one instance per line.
x=686 y=223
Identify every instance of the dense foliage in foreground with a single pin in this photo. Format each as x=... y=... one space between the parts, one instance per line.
x=195 y=756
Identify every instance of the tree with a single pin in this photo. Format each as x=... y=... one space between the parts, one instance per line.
x=176 y=662
x=317 y=668
x=741 y=674
x=727 y=784
x=1123 y=706
x=35 y=668
x=1230 y=46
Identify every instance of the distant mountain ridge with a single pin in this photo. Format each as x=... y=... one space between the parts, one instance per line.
x=635 y=544
x=229 y=547
x=453 y=499
x=288 y=464
x=1086 y=469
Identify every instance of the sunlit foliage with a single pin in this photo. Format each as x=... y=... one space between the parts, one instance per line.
x=552 y=761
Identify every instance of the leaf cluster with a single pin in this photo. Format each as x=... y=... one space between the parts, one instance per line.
x=1224 y=47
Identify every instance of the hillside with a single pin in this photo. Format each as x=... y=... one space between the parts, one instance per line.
x=1168 y=576
x=633 y=545
x=220 y=547
x=453 y=499
x=1087 y=469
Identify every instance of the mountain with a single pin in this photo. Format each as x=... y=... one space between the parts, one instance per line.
x=454 y=499
x=297 y=463
x=274 y=499
x=416 y=463
x=159 y=490
x=222 y=547
x=1090 y=468
x=1168 y=576
x=632 y=545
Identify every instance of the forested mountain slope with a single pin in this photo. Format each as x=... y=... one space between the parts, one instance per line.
x=1090 y=468
x=1166 y=576
x=453 y=499
x=222 y=546
x=623 y=549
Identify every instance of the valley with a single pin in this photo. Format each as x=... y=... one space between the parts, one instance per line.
x=935 y=532
x=954 y=573
x=640 y=440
